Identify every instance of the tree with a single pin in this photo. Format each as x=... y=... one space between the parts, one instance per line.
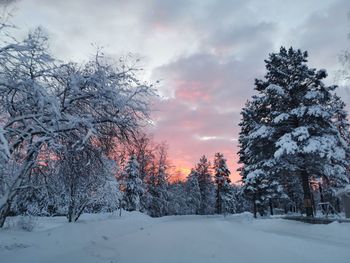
x=27 y=109
x=157 y=184
x=206 y=186
x=193 y=193
x=44 y=105
x=85 y=174
x=261 y=189
x=259 y=172
x=242 y=204
x=134 y=187
x=292 y=126
x=222 y=181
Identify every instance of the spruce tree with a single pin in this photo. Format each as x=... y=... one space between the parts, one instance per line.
x=222 y=182
x=193 y=193
x=228 y=199
x=134 y=187
x=158 y=192
x=259 y=172
x=206 y=186
x=290 y=128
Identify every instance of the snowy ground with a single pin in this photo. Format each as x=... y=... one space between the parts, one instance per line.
x=137 y=238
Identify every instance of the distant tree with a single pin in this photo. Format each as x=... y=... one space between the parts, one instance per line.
x=177 y=204
x=85 y=176
x=134 y=187
x=158 y=193
x=206 y=186
x=193 y=193
x=157 y=184
x=222 y=182
x=228 y=199
x=242 y=203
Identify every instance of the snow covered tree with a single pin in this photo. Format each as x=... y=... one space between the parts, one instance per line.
x=206 y=186
x=177 y=204
x=259 y=188
x=228 y=199
x=84 y=173
x=259 y=174
x=134 y=187
x=222 y=182
x=108 y=195
x=158 y=193
x=290 y=128
x=157 y=184
x=43 y=105
x=193 y=193
x=242 y=204
x=28 y=111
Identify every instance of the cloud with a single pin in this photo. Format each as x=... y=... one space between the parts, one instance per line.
x=205 y=52
x=7 y=2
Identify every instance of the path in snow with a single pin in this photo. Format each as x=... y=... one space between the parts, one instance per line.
x=179 y=239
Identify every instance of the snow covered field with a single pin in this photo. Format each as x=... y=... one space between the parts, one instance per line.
x=137 y=238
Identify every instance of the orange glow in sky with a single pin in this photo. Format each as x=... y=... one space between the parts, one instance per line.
x=181 y=169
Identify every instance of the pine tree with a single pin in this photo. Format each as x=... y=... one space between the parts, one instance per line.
x=242 y=204
x=177 y=198
x=228 y=199
x=193 y=193
x=206 y=186
x=134 y=187
x=259 y=173
x=289 y=129
x=157 y=189
x=222 y=181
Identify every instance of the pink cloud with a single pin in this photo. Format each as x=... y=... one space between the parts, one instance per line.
x=192 y=91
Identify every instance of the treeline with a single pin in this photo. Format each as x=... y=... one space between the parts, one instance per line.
x=206 y=190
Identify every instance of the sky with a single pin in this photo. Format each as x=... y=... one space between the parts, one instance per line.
x=204 y=53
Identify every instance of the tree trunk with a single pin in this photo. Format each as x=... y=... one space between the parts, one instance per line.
x=271 y=207
x=337 y=207
x=285 y=209
x=14 y=189
x=307 y=194
x=218 y=200
x=71 y=211
x=254 y=207
x=321 y=196
x=4 y=212
x=81 y=210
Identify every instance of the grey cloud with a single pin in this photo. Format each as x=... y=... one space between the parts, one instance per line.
x=7 y=2
x=206 y=52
